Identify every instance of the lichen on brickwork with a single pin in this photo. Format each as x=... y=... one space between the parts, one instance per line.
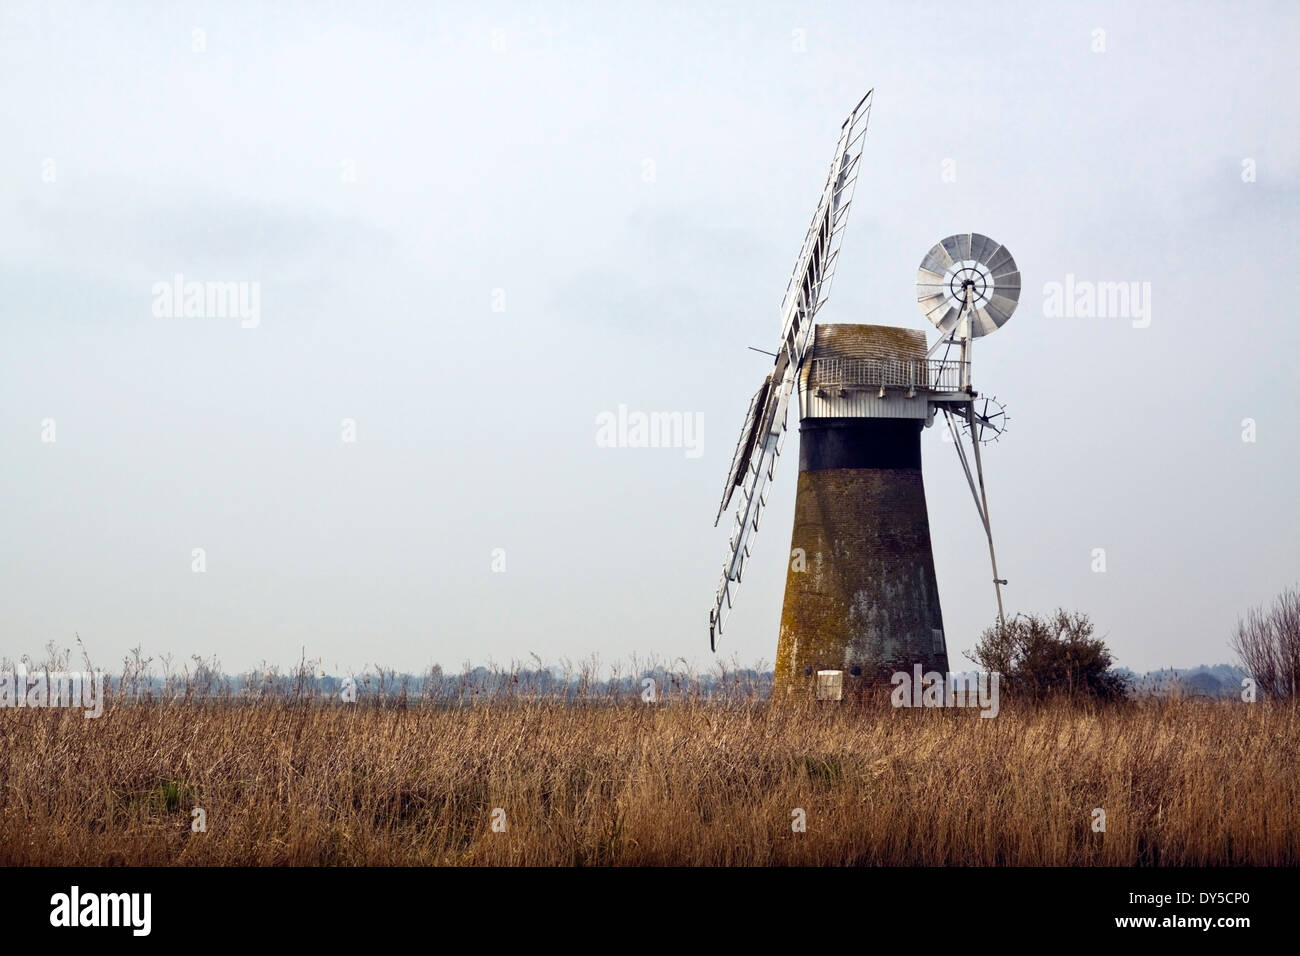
x=872 y=602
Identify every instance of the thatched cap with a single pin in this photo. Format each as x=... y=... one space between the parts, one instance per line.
x=868 y=341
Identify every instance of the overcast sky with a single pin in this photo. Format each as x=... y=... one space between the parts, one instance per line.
x=473 y=233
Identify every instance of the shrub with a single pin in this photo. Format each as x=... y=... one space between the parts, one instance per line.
x=1053 y=654
x=1268 y=644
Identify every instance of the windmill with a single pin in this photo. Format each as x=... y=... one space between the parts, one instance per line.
x=861 y=595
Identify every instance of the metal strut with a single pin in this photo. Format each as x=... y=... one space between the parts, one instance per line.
x=984 y=512
x=980 y=495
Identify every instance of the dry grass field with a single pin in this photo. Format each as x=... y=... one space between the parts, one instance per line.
x=678 y=783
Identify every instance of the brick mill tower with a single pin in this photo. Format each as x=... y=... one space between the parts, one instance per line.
x=861 y=598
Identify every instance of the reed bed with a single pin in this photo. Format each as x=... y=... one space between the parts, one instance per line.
x=619 y=782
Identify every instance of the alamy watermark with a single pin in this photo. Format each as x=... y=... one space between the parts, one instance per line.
x=933 y=689
x=628 y=429
x=75 y=908
x=180 y=299
x=45 y=688
x=1082 y=299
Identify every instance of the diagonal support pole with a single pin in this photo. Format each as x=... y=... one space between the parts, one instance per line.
x=978 y=493
x=984 y=511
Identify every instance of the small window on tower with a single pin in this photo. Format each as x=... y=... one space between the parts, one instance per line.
x=938 y=640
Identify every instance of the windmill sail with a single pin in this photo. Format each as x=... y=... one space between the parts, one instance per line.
x=755 y=460
x=748 y=435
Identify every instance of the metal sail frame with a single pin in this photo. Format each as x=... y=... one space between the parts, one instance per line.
x=762 y=439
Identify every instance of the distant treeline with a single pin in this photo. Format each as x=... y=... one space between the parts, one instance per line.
x=148 y=677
